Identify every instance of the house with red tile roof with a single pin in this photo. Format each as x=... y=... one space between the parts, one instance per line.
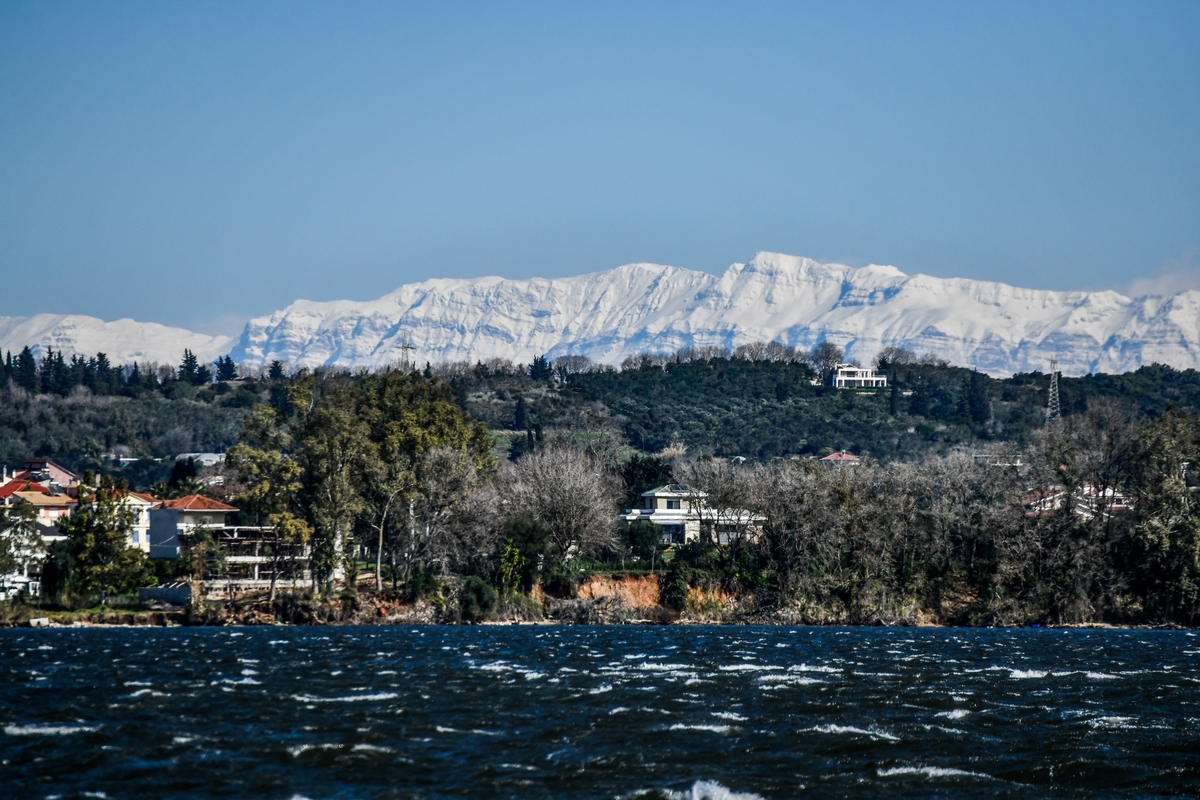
x=842 y=459
x=169 y=519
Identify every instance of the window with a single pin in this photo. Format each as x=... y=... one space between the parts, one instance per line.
x=136 y=537
x=673 y=504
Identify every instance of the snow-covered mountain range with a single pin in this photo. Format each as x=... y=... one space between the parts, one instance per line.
x=609 y=315
x=124 y=341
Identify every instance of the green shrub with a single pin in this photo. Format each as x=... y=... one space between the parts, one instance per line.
x=477 y=599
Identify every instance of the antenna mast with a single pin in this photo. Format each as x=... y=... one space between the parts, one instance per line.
x=1053 y=411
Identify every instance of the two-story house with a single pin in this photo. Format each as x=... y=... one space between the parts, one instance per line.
x=685 y=516
x=172 y=518
x=851 y=376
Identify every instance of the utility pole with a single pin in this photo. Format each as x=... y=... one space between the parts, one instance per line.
x=1053 y=411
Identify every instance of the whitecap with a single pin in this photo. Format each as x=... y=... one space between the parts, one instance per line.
x=957 y=713
x=789 y=680
x=357 y=698
x=871 y=732
x=679 y=726
x=618 y=710
x=371 y=748
x=1101 y=676
x=296 y=751
x=931 y=772
x=706 y=790
x=807 y=668
x=46 y=730
x=601 y=689
x=749 y=668
x=729 y=715
x=1112 y=722
x=1027 y=673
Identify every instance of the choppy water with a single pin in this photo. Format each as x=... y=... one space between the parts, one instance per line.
x=597 y=712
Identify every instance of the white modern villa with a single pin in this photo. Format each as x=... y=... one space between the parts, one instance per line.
x=852 y=376
x=684 y=515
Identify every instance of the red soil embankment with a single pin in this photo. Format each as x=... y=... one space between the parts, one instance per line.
x=637 y=591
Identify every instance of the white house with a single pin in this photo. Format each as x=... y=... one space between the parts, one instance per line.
x=140 y=505
x=675 y=508
x=850 y=376
x=684 y=514
x=171 y=518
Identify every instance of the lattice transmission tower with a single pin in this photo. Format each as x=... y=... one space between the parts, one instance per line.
x=1053 y=411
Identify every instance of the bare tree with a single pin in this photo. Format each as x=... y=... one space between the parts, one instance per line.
x=571 y=493
x=893 y=356
x=566 y=366
x=824 y=357
x=751 y=351
x=452 y=517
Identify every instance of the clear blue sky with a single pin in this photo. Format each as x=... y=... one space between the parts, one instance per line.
x=200 y=163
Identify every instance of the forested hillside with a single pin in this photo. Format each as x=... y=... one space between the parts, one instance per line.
x=764 y=409
x=750 y=403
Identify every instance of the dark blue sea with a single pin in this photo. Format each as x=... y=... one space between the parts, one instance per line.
x=597 y=712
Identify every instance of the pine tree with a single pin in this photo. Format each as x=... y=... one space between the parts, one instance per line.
x=226 y=369
x=189 y=369
x=27 y=371
x=540 y=369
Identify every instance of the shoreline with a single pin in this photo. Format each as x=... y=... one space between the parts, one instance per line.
x=178 y=619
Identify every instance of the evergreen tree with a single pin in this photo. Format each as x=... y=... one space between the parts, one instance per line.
x=98 y=532
x=226 y=369
x=189 y=369
x=192 y=371
x=979 y=403
x=540 y=369
x=521 y=418
x=26 y=372
x=276 y=371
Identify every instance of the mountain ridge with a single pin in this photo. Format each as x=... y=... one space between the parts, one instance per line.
x=611 y=314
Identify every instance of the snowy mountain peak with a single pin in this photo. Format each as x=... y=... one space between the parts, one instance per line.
x=612 y=314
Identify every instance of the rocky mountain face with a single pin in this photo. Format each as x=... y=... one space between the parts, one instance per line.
x=996 y=328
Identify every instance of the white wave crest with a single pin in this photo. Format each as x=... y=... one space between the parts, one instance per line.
x=874 y=733
x=931 y=772
x=1027 y=673
x=749 y=668
x=46 y=730
x=957 y=713
x=790 y=680
x=353 y=698
x=708 y=790
x=679 y=726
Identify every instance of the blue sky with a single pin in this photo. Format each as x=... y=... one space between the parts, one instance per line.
x=197 y=164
